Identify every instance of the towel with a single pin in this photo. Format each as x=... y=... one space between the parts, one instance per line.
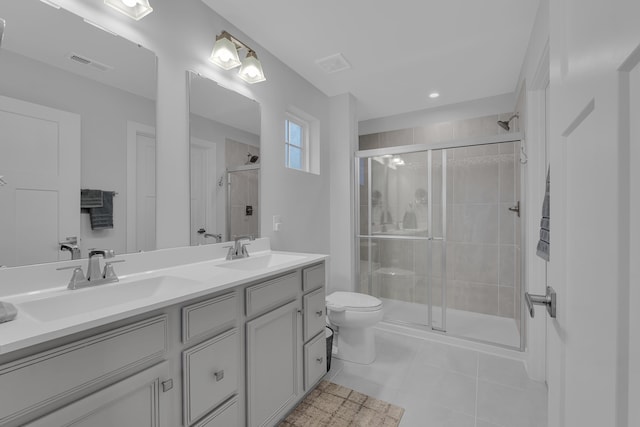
x=7 y=312
x=102 y=217
x=544 y=247
x=90 y=198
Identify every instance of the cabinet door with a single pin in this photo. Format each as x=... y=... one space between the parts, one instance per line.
x=136 y=401
x=272 y=364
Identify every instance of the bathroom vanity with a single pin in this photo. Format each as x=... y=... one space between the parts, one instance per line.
x=211 y=343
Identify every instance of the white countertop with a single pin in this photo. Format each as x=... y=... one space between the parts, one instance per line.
x=179 y=284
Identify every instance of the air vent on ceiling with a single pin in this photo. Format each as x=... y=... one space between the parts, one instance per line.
x=88 y=61
x=333 y=63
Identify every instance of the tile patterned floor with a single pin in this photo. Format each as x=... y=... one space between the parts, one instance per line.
x=440 y=385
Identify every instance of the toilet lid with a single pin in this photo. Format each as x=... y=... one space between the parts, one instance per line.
x=354 y=301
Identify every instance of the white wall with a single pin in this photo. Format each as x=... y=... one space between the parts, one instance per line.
x=447 y=113
x=182 y=34
x=344 y=142
x=105 y=111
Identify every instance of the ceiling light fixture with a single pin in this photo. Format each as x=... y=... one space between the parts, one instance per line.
x=434 y=95
x=225 y=55
x=135 y=9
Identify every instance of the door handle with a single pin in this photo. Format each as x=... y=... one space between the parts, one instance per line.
x=548 y=300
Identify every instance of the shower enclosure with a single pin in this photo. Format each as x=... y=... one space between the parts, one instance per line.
x=439 y=236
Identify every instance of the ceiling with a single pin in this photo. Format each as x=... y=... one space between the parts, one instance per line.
x=399 y=51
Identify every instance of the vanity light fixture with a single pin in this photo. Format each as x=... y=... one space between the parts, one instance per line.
x=251 y=69
x=225 y=55
x=434 y=95
x=225 y=52
x=135 y=9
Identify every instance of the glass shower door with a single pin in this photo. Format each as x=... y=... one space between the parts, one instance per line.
x=394 y=241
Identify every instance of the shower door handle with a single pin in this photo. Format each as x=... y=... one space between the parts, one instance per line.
x=516 y=208
x=548 y=300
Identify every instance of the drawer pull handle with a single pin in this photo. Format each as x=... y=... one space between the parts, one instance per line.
x=219 y=375
x=167 y=385
x=319 y=313
x=319 y=359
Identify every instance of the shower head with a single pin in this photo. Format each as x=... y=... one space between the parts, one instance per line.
x=504 y=124
x=252 y=158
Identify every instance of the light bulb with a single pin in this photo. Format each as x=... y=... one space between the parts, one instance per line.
x=224 y=55
x=252 y=71
x=130 y=3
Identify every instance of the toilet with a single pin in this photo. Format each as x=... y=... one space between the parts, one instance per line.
x=355 y=315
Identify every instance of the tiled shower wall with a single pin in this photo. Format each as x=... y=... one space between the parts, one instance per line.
x=483 y=263
x=244 y=189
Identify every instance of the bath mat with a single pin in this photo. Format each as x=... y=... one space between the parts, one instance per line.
x=333 y=405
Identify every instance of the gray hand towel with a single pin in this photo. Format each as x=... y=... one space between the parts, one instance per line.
x=8 y=312
x=102 y=217
x=544 y=246
x=90 y=198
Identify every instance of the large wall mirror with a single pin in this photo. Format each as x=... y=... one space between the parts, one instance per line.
x=225 y=162
x=77 y=146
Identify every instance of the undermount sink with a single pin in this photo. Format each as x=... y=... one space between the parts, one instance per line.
x=260 y=262
x=71 y=303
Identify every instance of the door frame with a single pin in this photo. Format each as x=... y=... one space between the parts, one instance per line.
x=133 y=130
x=535 y=268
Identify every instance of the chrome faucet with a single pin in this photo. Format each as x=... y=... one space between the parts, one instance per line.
x=94 y=275
x=70 y=244
x=239 y=249
x=93 y=270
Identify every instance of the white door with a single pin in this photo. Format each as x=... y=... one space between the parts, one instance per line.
x=146 y=191
x=40 y=188
x=141 y=187
x=592 y=53
x=203 y=191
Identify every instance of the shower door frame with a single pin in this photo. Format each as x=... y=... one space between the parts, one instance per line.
x=429 y=148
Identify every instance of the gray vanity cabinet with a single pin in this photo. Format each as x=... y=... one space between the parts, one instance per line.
x=240 y=357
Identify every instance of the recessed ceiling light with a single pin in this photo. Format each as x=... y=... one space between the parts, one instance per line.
x=434 y=95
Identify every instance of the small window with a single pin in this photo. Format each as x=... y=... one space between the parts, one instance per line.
x=296 y=137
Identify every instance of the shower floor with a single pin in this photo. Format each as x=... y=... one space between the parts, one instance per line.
x=466 y=324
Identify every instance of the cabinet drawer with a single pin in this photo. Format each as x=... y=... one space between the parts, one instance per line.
x=210 y=316
x=37 y=381
x=210 y=374
x=315 y=363
x=312 y=277
x=271 y=293
x=224 y=416
x=314 y=313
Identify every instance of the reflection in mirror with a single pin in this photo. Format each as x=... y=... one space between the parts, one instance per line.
x=225 y=162
x=77 y=111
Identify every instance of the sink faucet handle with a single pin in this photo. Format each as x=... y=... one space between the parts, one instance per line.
x=109 y=272
x=77 y=276
x=243 y=249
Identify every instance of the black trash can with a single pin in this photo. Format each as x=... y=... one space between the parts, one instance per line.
x=328 y=333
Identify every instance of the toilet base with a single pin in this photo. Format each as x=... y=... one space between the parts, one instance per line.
x=356 y=345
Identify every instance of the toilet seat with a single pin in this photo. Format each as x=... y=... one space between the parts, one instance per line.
x=352 y=301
